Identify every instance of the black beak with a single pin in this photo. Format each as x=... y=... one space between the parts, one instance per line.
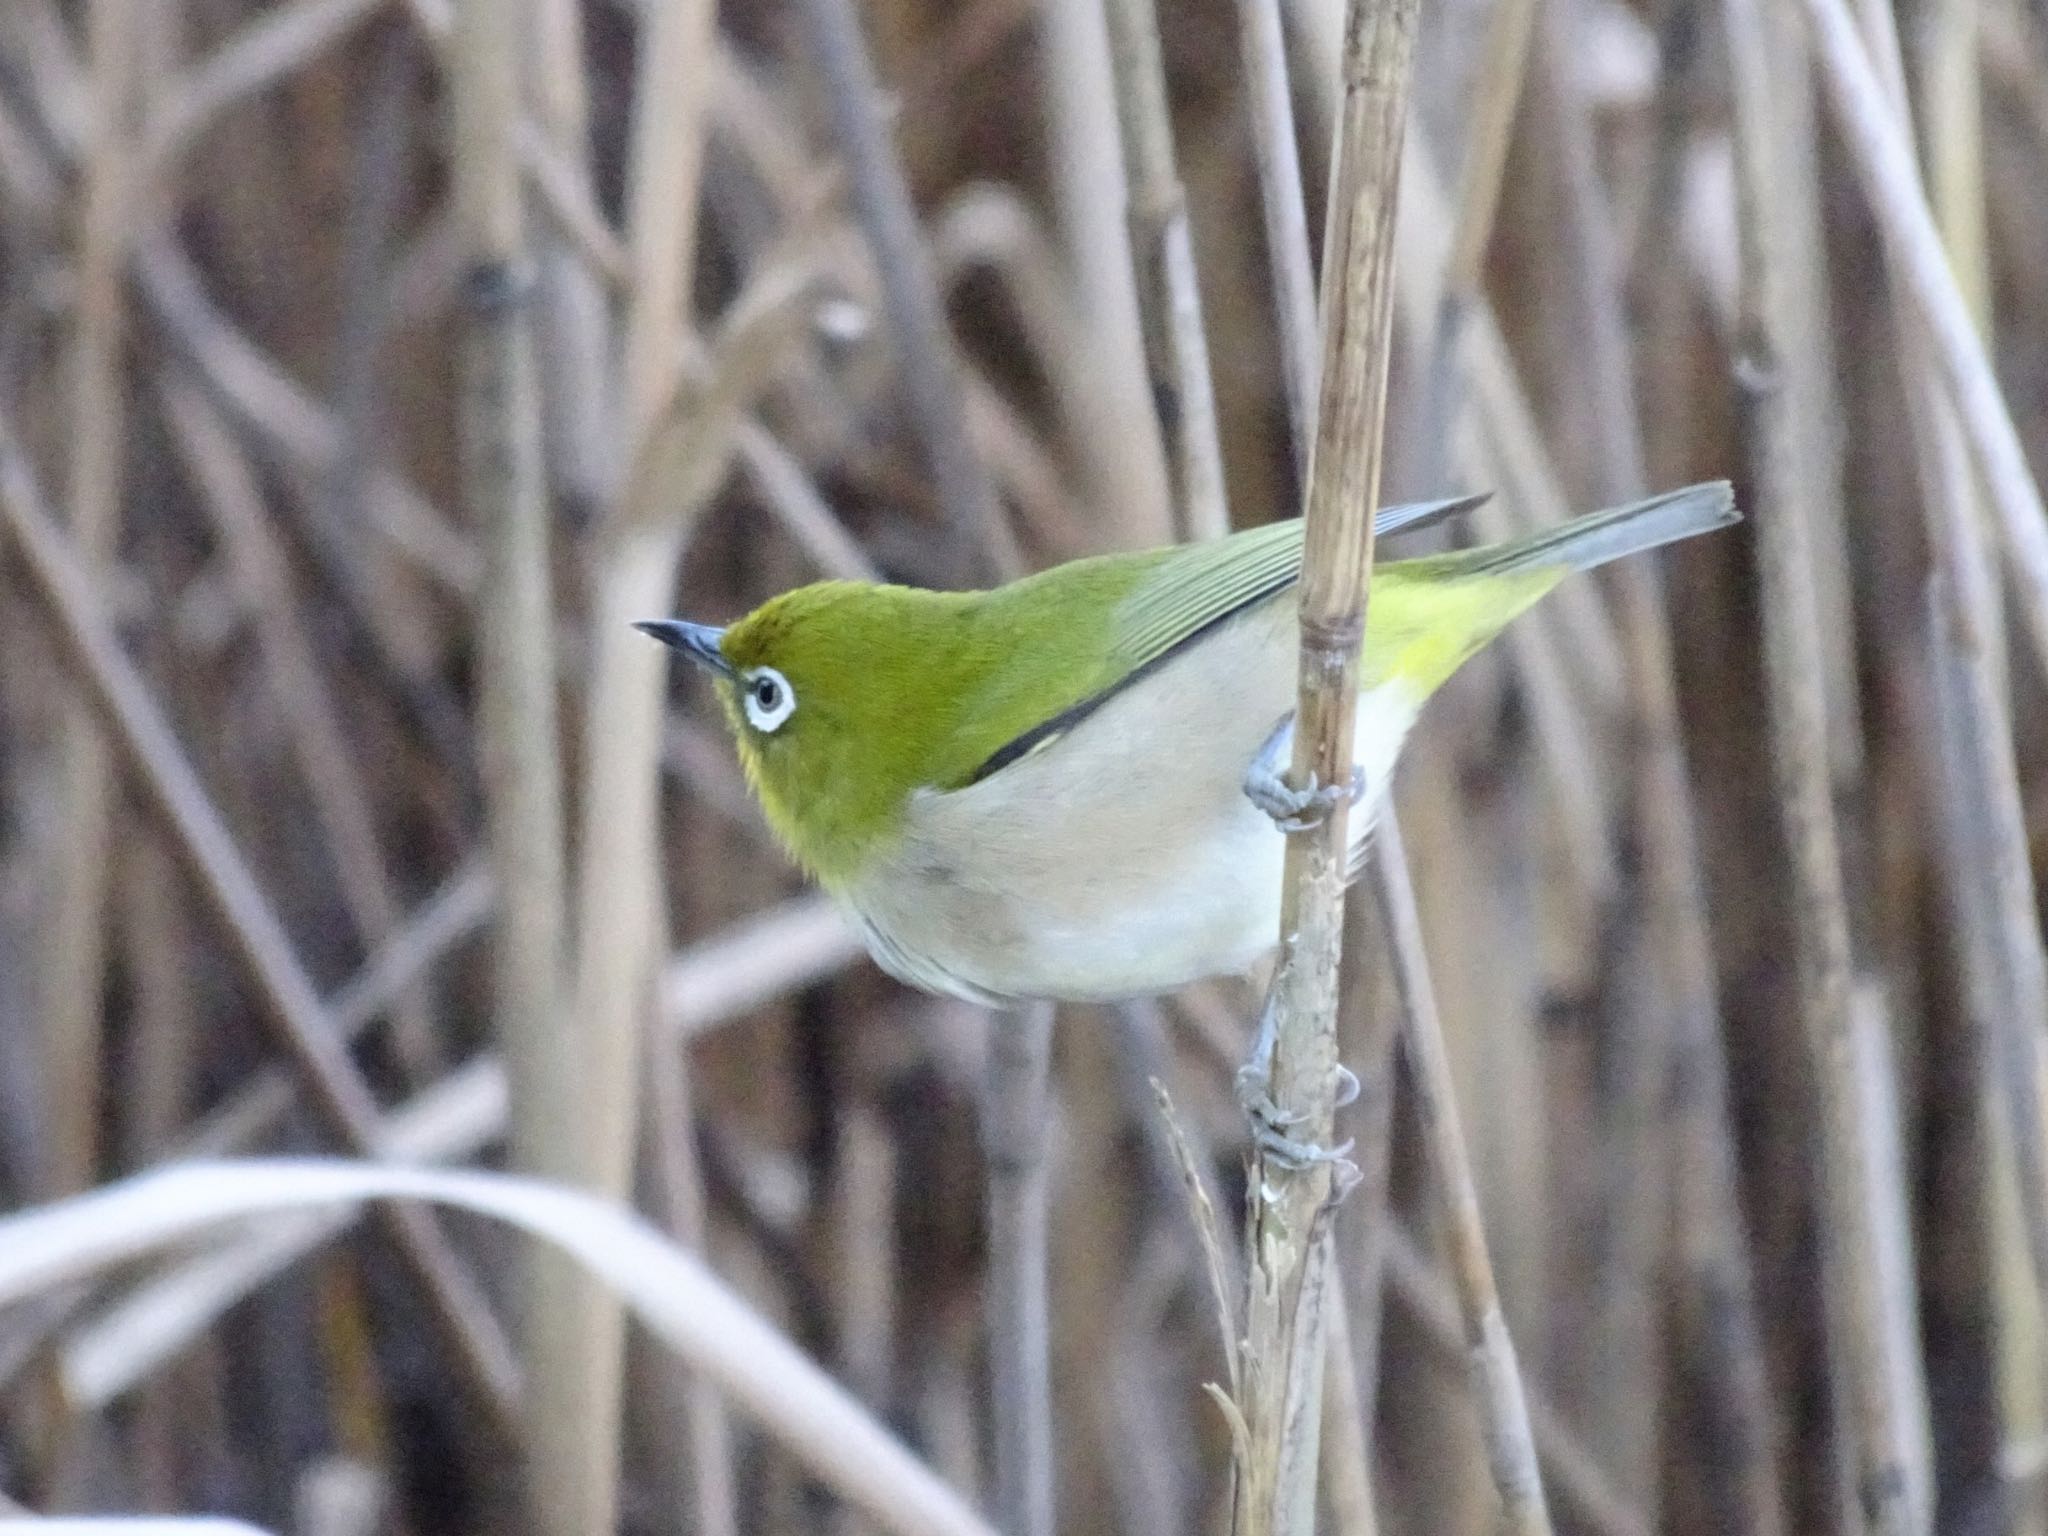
x=699 y=642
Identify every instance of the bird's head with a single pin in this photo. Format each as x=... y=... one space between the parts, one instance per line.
x=840 y=696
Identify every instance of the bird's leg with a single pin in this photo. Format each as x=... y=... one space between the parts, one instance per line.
x=1271 y=1123
x=1293 y=810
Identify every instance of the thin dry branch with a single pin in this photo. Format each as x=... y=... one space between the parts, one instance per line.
x=74 y=933
x=1569 y=1468
x=277 y=44
x=260 y=393
x=1014 y=1139
x=504 y=482
x=1496 y=1371
x=917 y=321
x=1503 y=66
x=1128 y=468
x=1884 y=162
x=224 y=878
x=1998 y=909
x=621 y=924
x=1289 y=1218
x=1675 y=1059
x=453 y=913
x=341 y=798
x=1871 y=1335
x=1169 y=297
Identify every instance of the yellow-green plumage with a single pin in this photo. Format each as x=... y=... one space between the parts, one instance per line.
x=949 y=762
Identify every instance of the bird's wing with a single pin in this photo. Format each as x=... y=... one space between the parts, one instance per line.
x=1199 y=586
x=1174 y=598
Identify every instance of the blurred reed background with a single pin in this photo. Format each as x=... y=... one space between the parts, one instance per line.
x=365 y=365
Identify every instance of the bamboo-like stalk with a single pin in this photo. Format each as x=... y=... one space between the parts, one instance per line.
x=620 y=921
x=1625 y=1391
x=279 y=42
x=461 y=907
x=1263 y=47
x=573 y=320
x=1569 y=1469
x=1347 y=1440
x=917 y=323
x=1020 y=1060
x=505 y=483
x=202 y=839
x=1350 y=1392
x=1993 y=893
x=1951 y=85
x=1870 y=1335
x=1014 y=1140
x=1496 y=1370
x=1689 y=1064
x=706 y=1429
x=74 y=934
x=1884 y=163
x=1281 y=1391
x=341 y=799
x=1169 y=296
x=1127 y=470
x=1503 y=67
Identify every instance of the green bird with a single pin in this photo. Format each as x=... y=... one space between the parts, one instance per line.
x=1067 y=787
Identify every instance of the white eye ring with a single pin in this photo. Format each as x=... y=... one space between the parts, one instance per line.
x=768 y=699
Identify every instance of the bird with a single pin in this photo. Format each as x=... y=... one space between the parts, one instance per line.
x=1069 y=787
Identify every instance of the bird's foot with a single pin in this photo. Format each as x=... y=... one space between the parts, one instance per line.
x=1292 y=809
x=1270 y=1123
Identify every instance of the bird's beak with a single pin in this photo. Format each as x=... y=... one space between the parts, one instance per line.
x=699 y=642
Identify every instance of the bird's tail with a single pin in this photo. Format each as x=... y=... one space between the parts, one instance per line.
x=1599 y=537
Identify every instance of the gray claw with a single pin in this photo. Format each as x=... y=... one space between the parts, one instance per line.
x=1292 y=809
x=1254 y=1097
x=1296 y=1155
x=1347 y=1086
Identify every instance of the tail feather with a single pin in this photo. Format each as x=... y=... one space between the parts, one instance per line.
x=1598 y=537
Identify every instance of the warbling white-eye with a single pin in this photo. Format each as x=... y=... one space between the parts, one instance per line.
x=1067 y=787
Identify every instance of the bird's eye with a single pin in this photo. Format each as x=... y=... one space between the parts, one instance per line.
x=768 y=698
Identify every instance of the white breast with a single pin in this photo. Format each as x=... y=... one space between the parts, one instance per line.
x=1123 y=859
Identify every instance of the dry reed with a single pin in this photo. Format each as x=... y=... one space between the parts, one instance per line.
x=364 y=367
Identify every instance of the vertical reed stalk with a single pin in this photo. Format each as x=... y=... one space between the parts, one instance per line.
x=1868 y=1331
x=573 y=323
x=621 y=924
x=1263 y=47
x=1126 y=469
x=917 y=320
x=1496 y=1369
x=302 y=1026
x=1169 y=297
x=75 y=926
x=1992 y=887
x=1884 y=163
x=504 y=481
x=1014 y=1140
x=1503 y=68
x=1281 y=1392
x=1677 y=1057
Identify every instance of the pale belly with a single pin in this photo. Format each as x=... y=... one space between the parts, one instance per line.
x=1124 y=859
